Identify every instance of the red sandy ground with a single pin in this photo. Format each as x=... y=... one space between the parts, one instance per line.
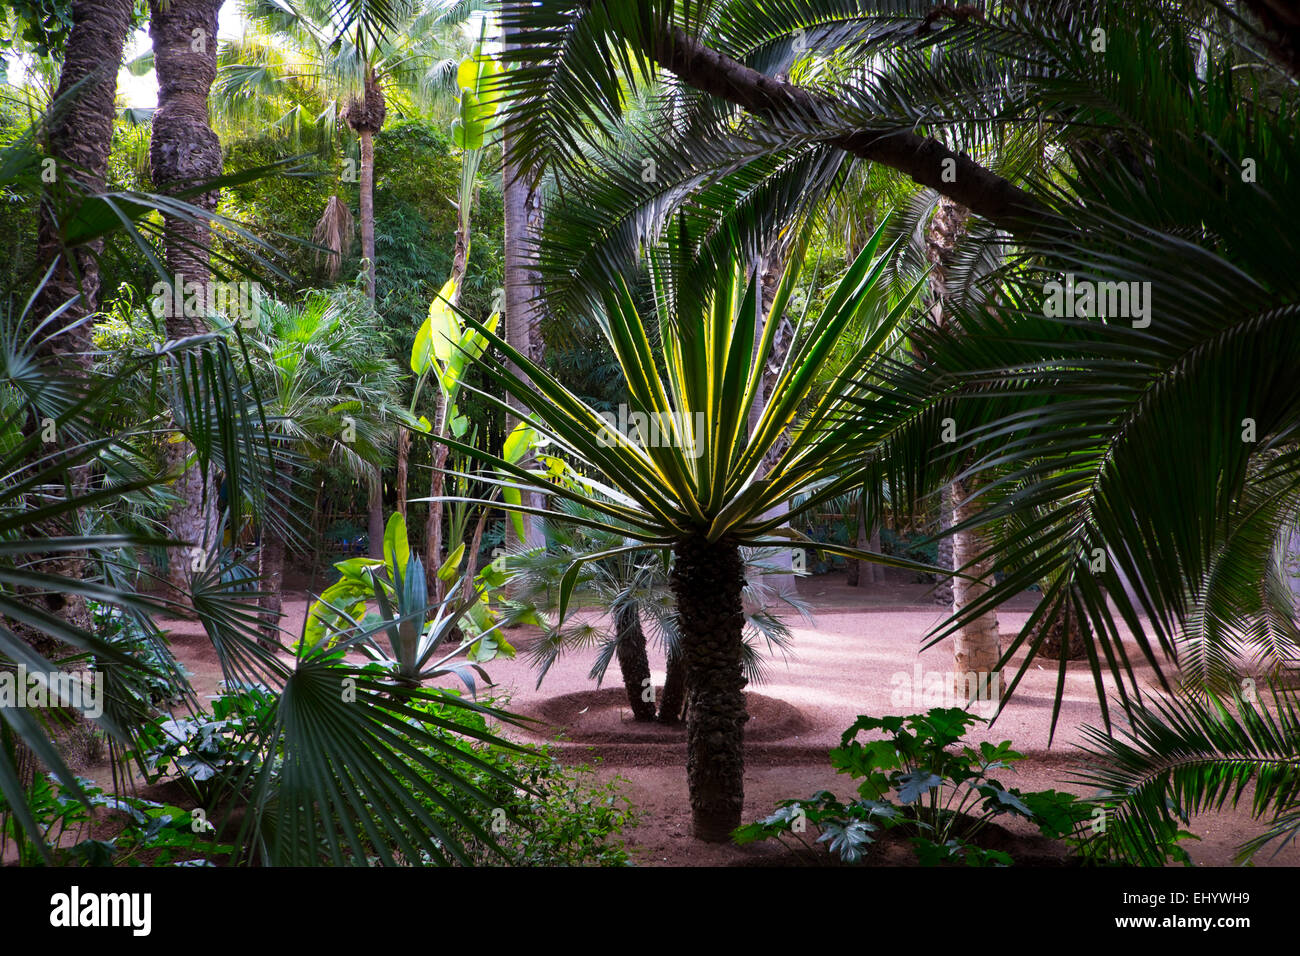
x=843 y=664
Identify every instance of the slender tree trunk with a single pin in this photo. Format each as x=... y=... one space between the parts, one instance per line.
x=375 y=513
x=943 y=590
x=375 y=500
x=270 y=556
x=184 y=150
x=708 y=581
x=80 y=137
x=79 y=140
x=673 y=699
x=769 y=271
x=633 y=662
x=403 y=466
x=442 y=417
x=523 y=221
x=365 y=114
x=367 y=202
x=471 y=554
x=864 y=573
x=976 y=646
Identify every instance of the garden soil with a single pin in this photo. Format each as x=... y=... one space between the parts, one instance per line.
x=862 y=653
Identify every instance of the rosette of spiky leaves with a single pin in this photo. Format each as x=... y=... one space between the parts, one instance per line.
x=706 y=474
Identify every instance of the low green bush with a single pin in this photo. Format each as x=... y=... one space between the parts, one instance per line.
x=914 y=780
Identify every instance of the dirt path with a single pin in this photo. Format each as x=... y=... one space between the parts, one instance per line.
x=861 y=655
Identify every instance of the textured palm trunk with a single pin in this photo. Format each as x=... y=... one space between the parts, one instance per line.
x=781 y=578
x=80 y=137
x=375 y=513
x=523 y=314
x=375 y=499
x=976 y=646
x=270 y=556
x=943 y=590
x=184 y=150
x=708 y=581
x=633 y=662
x=367 y=203
x=673 y=699
x=403 y=468
x=863 y=573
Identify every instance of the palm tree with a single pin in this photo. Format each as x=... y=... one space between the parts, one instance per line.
x=328 y=393
x=358 y=63
x=184 y=152
x=110 y=429
x=79 y=137
x=1152 y=175
x=523 y=294
x=682 y=477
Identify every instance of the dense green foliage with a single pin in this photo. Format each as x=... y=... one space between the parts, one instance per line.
x=918 y=782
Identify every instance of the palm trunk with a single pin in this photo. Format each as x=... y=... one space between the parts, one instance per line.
x=403 y=467
x=375 y=501
x=633 y=663
x=184 y=150
x=79 y=139
x=80 y=136
x=708 y=581
x=673 y=699
x=943 y=590
x=367 y=203
x=270 y=556
x=523 y=221
x=976 y=647
x=375 y=513
x=862 y=573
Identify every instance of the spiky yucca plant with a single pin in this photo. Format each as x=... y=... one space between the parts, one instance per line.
x=698 y=484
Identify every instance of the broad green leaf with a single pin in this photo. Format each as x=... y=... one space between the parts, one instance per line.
x=566 y=586
x=476 y=112
x=518 y=442
x=467 y=138
x=511 y=496
x=467 y=74
x=397 y=549
x=448 y=570
x=444 y=326
x=422 y=350
x=355 y=568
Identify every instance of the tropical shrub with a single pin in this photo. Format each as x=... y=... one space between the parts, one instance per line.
x=916 y=781
x=212 y=754
x=704 y=483
x=558 y=817
x=149 y=833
